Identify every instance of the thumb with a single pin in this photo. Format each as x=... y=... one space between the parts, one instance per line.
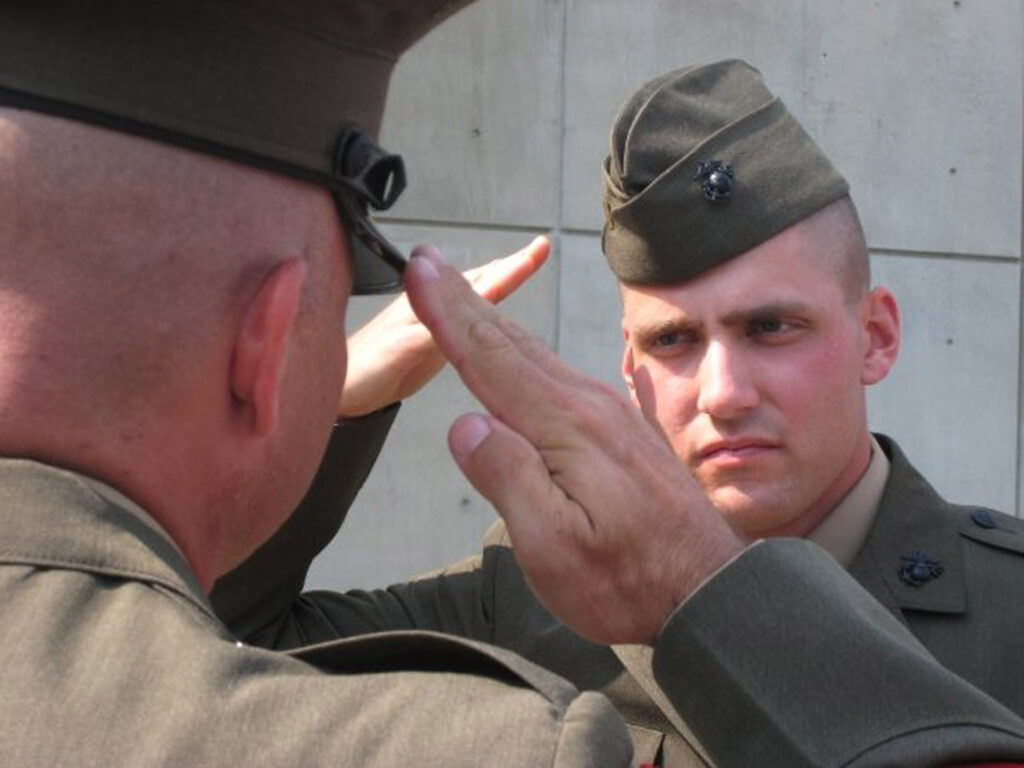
x=507 y=470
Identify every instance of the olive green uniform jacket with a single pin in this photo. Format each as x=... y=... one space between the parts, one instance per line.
x=112 y=655
x=780 y=659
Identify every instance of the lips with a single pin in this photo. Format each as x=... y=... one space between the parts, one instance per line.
x=736 y=450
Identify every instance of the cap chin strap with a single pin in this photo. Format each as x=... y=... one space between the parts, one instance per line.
x=370 y=177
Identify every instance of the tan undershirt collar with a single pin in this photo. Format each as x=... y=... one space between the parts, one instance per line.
x=846 y=528
x=121 y=501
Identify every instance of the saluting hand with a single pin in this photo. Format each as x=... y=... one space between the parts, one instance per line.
x=393 y=355
x=609 y=528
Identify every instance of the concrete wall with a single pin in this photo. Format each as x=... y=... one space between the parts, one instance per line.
x=503 y=113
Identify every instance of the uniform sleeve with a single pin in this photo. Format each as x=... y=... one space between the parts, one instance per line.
x=783 y=659
x=262 y=601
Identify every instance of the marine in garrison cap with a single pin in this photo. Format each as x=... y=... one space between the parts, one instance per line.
x=179 y=181
x=751 y=330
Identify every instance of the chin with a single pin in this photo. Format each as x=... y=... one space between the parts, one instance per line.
x=756 y=515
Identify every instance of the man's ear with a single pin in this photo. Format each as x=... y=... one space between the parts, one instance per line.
x=627 y=365
x=260 y=353
x=881 y=327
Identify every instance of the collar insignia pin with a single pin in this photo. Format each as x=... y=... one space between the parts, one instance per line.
x=918 y=568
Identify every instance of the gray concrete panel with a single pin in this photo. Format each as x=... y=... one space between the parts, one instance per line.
x=416 y=494
x=475 y=110
x=951 y=400
x=589 y=320
x=918 y=102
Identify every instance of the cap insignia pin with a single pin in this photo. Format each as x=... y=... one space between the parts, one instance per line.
x=715 y=178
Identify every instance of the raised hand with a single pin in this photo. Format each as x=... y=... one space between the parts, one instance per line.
x=393 y=355
x=609 y=528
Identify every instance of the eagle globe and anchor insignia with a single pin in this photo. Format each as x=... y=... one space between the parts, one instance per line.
x=716 y=180
x=918 y=568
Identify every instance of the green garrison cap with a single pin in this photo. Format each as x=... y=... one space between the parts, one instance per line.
x=292 y=86
x=706 y=164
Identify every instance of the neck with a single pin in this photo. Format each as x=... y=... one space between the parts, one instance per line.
x=134 y=458
x=832 y=496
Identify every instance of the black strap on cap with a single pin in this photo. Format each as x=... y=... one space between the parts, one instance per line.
x=370 y=177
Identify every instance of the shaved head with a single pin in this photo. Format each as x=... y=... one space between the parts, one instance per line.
x=143 y=249
x=850 y=257
x=137 y=281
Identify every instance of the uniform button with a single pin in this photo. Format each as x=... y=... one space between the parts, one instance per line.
x=983 y=519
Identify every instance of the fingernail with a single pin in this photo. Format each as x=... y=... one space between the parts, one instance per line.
x=430 y=253
x=422 y=263
x=466 y=435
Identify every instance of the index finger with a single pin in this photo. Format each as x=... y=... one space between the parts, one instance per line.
x=513 y=374
x=500 y=278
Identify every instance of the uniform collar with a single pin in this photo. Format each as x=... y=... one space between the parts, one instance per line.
x=843 y=532
x=118 y=499
x=53 y=517
x=913 y=520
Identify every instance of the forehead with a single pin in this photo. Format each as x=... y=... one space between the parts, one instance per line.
x=799 y=265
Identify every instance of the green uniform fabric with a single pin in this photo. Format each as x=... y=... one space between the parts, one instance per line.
x=712 y=700
x=113 y=656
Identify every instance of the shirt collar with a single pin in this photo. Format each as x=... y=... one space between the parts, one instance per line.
x=843 y=532
x=115 y=497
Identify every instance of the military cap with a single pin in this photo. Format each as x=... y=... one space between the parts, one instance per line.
x=705 y=164
x=293 y=86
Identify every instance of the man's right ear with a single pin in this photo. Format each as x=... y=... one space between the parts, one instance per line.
x=627 y=366
x=260 y=350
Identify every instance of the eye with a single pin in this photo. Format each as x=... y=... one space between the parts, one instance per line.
x=673 y=339
x=774 y=329
x=666 y=340
x=766 y=325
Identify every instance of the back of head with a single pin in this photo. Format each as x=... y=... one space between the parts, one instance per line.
x=158 y=161
x=99 y=221
x=122 y=260
x=705 y=164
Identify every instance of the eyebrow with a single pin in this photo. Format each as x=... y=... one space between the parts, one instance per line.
x=773 y=309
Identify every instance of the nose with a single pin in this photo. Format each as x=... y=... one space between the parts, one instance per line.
x=727 y=389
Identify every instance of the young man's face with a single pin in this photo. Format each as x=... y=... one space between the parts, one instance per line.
x=755 y=373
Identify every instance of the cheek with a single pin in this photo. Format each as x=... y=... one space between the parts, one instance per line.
x=817 y=392
x=668 y=397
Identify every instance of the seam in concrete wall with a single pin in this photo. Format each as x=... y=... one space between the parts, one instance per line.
x=1020 y=343
x=556 y=235
x=476 y=226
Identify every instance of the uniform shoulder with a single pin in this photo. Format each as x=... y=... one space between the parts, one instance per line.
x=989 y=526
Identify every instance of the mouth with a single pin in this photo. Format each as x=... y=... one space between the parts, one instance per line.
x=736 y=451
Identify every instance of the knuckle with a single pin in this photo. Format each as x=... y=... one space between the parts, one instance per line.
x=483 y=333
